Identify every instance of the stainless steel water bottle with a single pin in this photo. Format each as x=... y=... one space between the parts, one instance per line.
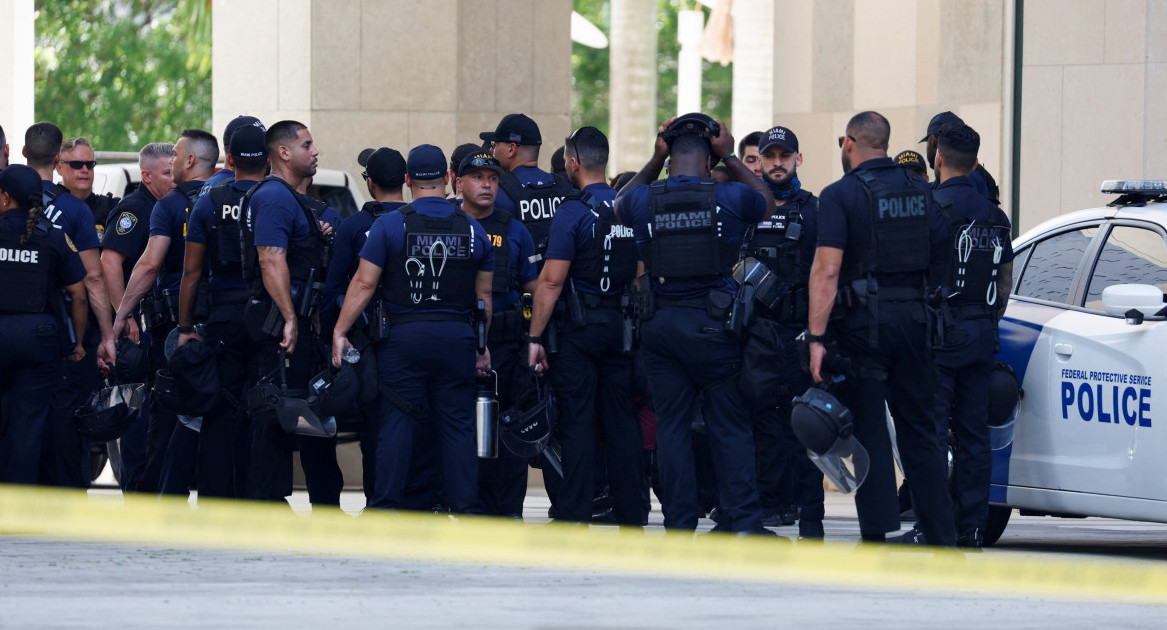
x=486 y=416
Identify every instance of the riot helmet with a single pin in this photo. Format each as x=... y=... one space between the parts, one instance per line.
x=133 y=363
x=109 y=412
x=1005 y=396
x=336 y=392
x=825 y=427
x=695 y=123
x=527 y=426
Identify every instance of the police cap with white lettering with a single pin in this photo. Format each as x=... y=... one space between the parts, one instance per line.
x=384 y=166
x=22 y=183
x=238 y=123
x=480 y=160
x=425 y=162
x=780 y=137
x=938 y=121
x=516 y=128
x=248 y=142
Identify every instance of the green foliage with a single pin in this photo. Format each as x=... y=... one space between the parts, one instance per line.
x=590 y=72
x=123 y=72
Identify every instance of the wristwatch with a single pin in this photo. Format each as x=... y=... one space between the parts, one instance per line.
x=534 y=339
x=185 y=330
x=814 y=338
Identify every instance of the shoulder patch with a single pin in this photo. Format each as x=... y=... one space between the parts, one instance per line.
x=126 y=222
x=69 y=241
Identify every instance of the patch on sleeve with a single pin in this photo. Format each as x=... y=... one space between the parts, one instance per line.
x=126 y=223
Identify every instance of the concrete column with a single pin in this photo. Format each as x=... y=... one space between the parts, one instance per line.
x=394 y=73
x=690 y=24
x=632 y=108
x=753 y=65
x=16 y=71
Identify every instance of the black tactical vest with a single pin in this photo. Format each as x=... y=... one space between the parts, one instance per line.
x=975 y=254
x=686 y=233
x=304 y=256
x=611 y=262
x=535 y=204
x=779 y=241
x=224 y=243
x=176 y=253
x=497 y=226
x=25 y=271
x=435 y=269
x=900 y=238
x=100 y=206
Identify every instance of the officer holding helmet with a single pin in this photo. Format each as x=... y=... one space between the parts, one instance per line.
x=430 y=263
x=35 y=261
x=880 y=238
x=690 y=230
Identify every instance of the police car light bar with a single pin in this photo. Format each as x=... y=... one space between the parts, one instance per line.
x=1134 y=187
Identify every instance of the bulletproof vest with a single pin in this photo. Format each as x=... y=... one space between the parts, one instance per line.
x=975 y=253
x=435 y=267
x=304 y=257
x=496 y=228
x=611 y=262
x=900 y=240
x=224 y=243
x=51 y=194
x=536 y=204
x=173 y=261
x=24 y=270
x=687 y=234
x=100 y=205
x=779 y=242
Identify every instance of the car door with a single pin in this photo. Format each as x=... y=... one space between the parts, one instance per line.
x=1103 y=426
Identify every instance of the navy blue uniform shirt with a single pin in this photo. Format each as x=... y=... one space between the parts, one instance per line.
x=522 y=250
x=169 y=219
x=738 y=205
x=129 y=228
x=222 y=175
x=387 y=238
x=346 y=247
x=74 y=217
x=65 y=264
x=198 y=230
x=277 y=219
x=573 y=231
x=844 y=220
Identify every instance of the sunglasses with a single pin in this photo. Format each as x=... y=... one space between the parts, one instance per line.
x=841 y=138
x=79 y=164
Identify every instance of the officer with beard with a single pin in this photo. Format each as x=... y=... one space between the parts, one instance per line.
x=881 y=244
x=789 y=484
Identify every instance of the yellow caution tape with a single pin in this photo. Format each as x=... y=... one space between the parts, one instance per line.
x=424 y=537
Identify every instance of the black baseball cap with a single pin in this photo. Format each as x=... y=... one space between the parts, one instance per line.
x=475 y=161
x=910 y=159
x=248 y=141
x=425 y=162
x=22 y=183
x=384 y=166
x=237 y=123
x=516 y=128
x=938 y=121
x=778 y=137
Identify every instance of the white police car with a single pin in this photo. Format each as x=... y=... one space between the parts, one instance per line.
x=1085 y=333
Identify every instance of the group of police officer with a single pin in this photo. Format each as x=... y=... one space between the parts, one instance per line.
x=266 y=320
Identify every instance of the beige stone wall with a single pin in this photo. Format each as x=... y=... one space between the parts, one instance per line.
x=1094 y=90
x=907 y=59
x=394 y=73
x=16 y=72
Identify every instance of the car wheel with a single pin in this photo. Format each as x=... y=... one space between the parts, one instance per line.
x=998 y=519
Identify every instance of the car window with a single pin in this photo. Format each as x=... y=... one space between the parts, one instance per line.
x=1131 y=255
x=1049 y=273
x=337 y=197
x=1019 y=257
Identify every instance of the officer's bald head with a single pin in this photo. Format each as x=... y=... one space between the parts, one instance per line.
x=870 y=130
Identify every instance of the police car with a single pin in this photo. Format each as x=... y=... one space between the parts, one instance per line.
x=1085 y=333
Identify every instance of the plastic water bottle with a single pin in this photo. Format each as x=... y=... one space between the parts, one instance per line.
x=351 y=356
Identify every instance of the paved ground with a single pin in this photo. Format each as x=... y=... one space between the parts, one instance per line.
x=52 y=584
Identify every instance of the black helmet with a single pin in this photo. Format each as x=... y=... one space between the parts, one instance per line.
x=196 y=374
x=819 y=420
x=166 y=391
x=109 y=412
x=267 y=401
x=528 y=424
x=1004 y=393
x=133 y=363
x=696 y=123
x=336 y=392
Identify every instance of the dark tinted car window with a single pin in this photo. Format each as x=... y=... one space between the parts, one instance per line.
x=1049 y=273
x=1131 y=255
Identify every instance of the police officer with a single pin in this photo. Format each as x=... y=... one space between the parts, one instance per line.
x=748 y=149
x=690 y=230
x=156 y=277
x=591 y=263
x=527 y=192
x=384 y=176
x=981 y=263
x=121 y=247
x=213 y=242
x=789 y=484
x=879 y=237
x=76 y=169
x=913 y=163
x=284 y=260
x=35 y=261
x=430 y=262
x=979 y=176
x=227 y=173
x=66 y=455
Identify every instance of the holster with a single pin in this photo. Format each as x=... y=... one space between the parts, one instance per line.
x=151 y=312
